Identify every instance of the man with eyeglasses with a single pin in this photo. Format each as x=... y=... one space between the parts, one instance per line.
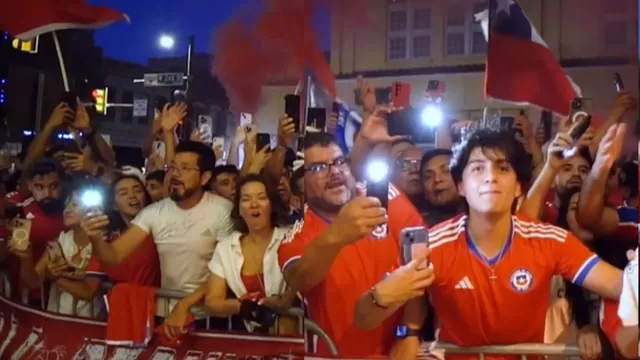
x=185 y=227
x=331 y=257
x=406 y=175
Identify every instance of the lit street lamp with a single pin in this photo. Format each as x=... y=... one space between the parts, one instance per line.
x=167 y=42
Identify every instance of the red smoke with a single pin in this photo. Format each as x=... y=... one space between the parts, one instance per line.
x=282 y=40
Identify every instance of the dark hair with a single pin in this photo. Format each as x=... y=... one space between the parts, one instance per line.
x=322 y=139
x=430 y=154
x=206 y=157
x=45 y=167
x=491 y=139
x=223 y=169
x=402 y=141
x=629 y=177
x=293 y=181
x=157 y=175
x=116 y=224
x=279 y=214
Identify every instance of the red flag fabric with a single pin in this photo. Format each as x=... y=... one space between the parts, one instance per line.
x=26 y=19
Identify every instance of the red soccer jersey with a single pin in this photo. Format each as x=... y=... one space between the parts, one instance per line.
x=44 y=228
x=355 y=270
x=475 y=310
x=15 y=197
x=141 y=268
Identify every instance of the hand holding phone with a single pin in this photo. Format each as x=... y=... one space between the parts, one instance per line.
x=20 y=235
x=414 y=242
x=401 y=94
x=292 y=109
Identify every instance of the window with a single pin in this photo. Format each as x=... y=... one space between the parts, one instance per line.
x=143 y=119
x=126 y=113
x=409 y=25
x=463 y=35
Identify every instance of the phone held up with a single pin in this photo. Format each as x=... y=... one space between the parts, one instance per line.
x=292 y=109
x=617 y=81
x=414 y=241
x=20 y=234
x=577 y=130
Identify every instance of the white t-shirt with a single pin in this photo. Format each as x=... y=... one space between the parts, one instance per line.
x=628 y=306
x=185 y=239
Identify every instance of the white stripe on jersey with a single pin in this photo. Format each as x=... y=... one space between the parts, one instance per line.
x=530 y=230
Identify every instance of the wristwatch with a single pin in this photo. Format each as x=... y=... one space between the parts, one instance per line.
x=403 y=332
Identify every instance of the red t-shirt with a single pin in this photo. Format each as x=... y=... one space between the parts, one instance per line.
x=44 y=228
x=357 y=268
x=141 y=268
x=475 y=310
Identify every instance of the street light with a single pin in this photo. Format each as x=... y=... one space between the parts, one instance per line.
x=167 y=42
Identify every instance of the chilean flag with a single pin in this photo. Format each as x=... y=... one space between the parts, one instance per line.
x=26 y=19
x=520 y=67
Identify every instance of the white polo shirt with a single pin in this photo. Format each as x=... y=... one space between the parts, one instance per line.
x=186 y=238
x=628 y=306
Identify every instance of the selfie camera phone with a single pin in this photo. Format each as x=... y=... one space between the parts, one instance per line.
x=71 y=99
x=317 y=118
x=205 y=128
x=92 y=200
x=262 y=140
x=414 y=241
x=617 y=80
x=576 y=132
x=292 y=109
x=401 y=94
x=20 y=234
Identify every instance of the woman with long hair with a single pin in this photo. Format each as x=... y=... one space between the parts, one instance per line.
x=127 y=196
x=247 y=262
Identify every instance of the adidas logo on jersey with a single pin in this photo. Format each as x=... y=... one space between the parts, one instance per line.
x=464 y=284
x=291 y=234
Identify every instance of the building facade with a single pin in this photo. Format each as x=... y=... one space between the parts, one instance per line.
x=414 y=41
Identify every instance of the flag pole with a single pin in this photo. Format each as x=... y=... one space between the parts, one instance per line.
x=63 y=70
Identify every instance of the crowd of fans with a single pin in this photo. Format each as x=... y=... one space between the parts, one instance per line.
x=525 y=245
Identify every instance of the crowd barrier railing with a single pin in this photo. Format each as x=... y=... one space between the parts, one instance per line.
x=306 y=326
x=522 y=350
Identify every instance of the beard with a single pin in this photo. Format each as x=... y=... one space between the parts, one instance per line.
x=175 y=194
x=51 y=206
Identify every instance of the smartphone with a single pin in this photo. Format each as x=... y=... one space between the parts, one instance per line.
x=577 y=130
x=377 y=183
x=218 y=142
x=506 y=122
x=20 y=234
x=317 y=118
x=205 y=128
x=54 y=250
x=401 y=123
x=292 y=109
x=262 y=140
x=580 y=106
x=401 y=94
x=546 y=119
x=92 y=200
x=433 y=85
x=246 y=119
x=71 y=99
x=413 y=241
x=71 y=146
x=617 y=81
x=335 y=107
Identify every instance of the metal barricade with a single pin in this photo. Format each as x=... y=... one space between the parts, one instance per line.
x=522 y=350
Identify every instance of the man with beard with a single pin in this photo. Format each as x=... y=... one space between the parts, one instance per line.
x=570 y=177
x=185 y=227
x=333 y=259
x=440 y=192
x=44 y=209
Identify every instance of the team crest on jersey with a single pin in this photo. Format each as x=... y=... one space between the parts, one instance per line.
x=380 y=232
x=521 y=280
x=291 y=234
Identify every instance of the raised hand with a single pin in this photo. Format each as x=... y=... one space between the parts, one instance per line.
x=286 y=131
x=358 y=218
x=172 y=115
x=375 y=127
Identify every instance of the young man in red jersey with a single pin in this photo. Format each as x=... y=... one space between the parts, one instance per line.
x=332 y=258
x=493 y=268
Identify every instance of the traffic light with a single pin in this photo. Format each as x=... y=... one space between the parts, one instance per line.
x=100 y=100
x=30 y=46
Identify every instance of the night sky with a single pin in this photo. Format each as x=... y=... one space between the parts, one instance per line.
x=138 y=41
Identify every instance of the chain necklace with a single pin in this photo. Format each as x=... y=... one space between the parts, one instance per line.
x=486 y=261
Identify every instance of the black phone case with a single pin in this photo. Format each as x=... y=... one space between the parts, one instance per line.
x=71 y=99
x=379 y=190
x=292 y=109
x=317 y=118
x=262 y=140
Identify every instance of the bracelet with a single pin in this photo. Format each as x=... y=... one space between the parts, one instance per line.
x=373 y=294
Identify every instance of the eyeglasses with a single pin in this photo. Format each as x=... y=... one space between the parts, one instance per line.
x=322 y=169
x=181 y=169
x=407 y=164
